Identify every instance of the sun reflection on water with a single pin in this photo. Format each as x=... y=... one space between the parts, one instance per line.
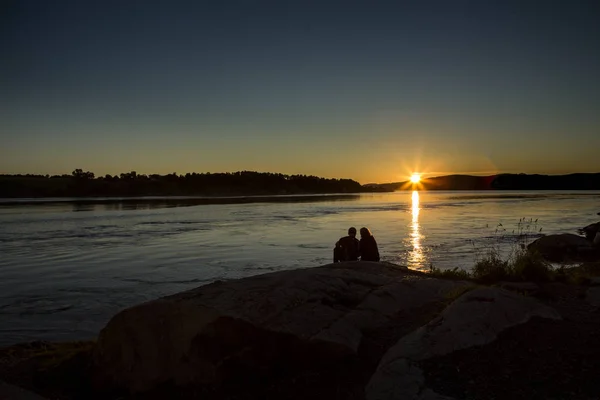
x=415 y=256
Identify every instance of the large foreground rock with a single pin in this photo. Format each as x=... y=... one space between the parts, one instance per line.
x=287 y=319
x=475 y=319
x=565 y=247
x=10 y=392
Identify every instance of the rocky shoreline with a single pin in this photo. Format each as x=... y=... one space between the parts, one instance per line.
x=357 y=330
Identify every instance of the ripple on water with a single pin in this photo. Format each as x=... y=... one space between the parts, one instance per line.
x=27 y=306
x=165 y=282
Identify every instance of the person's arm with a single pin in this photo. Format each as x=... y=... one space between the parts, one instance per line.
x=358 y=249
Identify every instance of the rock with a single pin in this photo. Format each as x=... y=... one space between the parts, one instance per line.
x=521 y=287
x=593 y=296
x=564 y=247
x=256 y=325
x=591 y=230
x=475 y=319
x=407 y=383
x=10 y=392
x=428 y=394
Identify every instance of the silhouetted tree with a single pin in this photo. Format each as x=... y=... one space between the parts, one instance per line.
x=82 y=183
x=79 y=174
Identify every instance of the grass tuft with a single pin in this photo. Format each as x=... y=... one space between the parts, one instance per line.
x=452 y=274
x=491 y=268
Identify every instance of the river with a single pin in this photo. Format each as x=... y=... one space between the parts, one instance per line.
x=66 y=267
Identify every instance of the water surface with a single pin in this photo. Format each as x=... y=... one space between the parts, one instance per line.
x=67 y=267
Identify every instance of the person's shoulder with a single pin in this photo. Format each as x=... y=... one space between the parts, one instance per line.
x=348 y=239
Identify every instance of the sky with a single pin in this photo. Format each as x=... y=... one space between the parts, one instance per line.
x=367 y=90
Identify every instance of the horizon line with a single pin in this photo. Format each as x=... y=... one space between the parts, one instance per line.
x=425 y=175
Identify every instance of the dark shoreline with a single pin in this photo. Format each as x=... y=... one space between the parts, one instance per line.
x=560 y=353
x=85 y=202
x=233 y=199
x=180 y=200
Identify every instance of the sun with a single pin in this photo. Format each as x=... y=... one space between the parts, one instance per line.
x=415 y=178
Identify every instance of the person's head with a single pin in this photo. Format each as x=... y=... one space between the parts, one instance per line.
x=365 y=232
x=352 y=231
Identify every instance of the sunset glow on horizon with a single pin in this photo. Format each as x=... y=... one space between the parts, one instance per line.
x=300 y=88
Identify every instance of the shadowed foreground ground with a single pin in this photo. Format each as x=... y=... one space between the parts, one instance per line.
x=540 y=359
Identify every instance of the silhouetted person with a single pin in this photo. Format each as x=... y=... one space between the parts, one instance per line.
x=346 y=249
x=368 y=246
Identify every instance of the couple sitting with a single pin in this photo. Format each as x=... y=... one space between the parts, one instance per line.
x=349 y=248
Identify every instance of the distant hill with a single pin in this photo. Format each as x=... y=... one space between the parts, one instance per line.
x=583 y=181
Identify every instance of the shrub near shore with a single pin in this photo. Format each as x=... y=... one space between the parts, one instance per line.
x=520 y=265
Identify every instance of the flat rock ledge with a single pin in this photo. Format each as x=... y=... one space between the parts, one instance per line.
x=475 y=319
x=262 y=324
x=593 y=296
x=565 y=247
x=10 y=392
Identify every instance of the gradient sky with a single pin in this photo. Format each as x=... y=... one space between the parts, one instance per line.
x=368 y=90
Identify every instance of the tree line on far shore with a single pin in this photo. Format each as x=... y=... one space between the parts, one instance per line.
x=82 y=183
x=85 y=183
